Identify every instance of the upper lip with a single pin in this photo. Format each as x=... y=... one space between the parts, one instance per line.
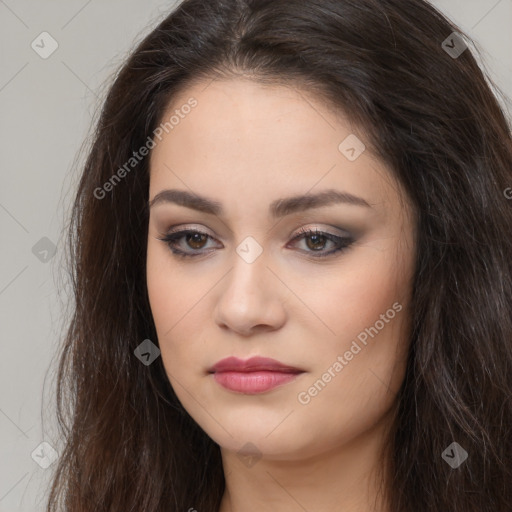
x=251 y=365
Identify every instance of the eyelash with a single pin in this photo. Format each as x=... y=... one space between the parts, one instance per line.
x=172 y=238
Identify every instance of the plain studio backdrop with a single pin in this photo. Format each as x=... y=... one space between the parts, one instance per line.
x=55 y=58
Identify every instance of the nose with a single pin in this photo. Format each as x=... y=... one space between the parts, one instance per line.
x=251 y=299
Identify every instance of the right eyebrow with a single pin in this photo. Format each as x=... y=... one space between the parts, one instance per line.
x=278 y=208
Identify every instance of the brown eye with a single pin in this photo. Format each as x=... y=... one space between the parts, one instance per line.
x=315 y=242
x=187 y=242
x=196 y=240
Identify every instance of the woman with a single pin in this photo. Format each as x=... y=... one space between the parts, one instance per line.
x=292 y=269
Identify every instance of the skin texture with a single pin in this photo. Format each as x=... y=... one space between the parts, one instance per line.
x=246 y=145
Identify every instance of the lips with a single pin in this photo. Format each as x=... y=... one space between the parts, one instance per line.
x=233 y=364
x=254 y=376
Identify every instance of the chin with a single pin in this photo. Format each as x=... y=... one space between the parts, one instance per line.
x=255 y=433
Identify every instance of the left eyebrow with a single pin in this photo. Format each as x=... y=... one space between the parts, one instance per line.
x=278 y=208
x=289 y=205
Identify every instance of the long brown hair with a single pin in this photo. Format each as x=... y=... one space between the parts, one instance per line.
x=431 y=115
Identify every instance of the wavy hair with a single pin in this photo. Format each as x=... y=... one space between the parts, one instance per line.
x=433 y=117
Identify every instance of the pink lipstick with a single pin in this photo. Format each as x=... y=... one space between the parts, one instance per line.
x=253 y=376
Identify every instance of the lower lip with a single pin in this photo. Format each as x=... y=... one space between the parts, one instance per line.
x=252 y=383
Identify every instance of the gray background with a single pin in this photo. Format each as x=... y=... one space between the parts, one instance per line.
x=47 y=108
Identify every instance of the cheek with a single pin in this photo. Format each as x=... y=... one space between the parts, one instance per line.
x=365 y=307
x=347 y=300
x=178 y=302
x=172 y=291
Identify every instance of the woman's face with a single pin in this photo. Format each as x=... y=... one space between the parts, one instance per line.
x=253 y=285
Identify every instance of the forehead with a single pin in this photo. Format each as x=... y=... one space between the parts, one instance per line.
x=243 y=111
x=259 y=139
